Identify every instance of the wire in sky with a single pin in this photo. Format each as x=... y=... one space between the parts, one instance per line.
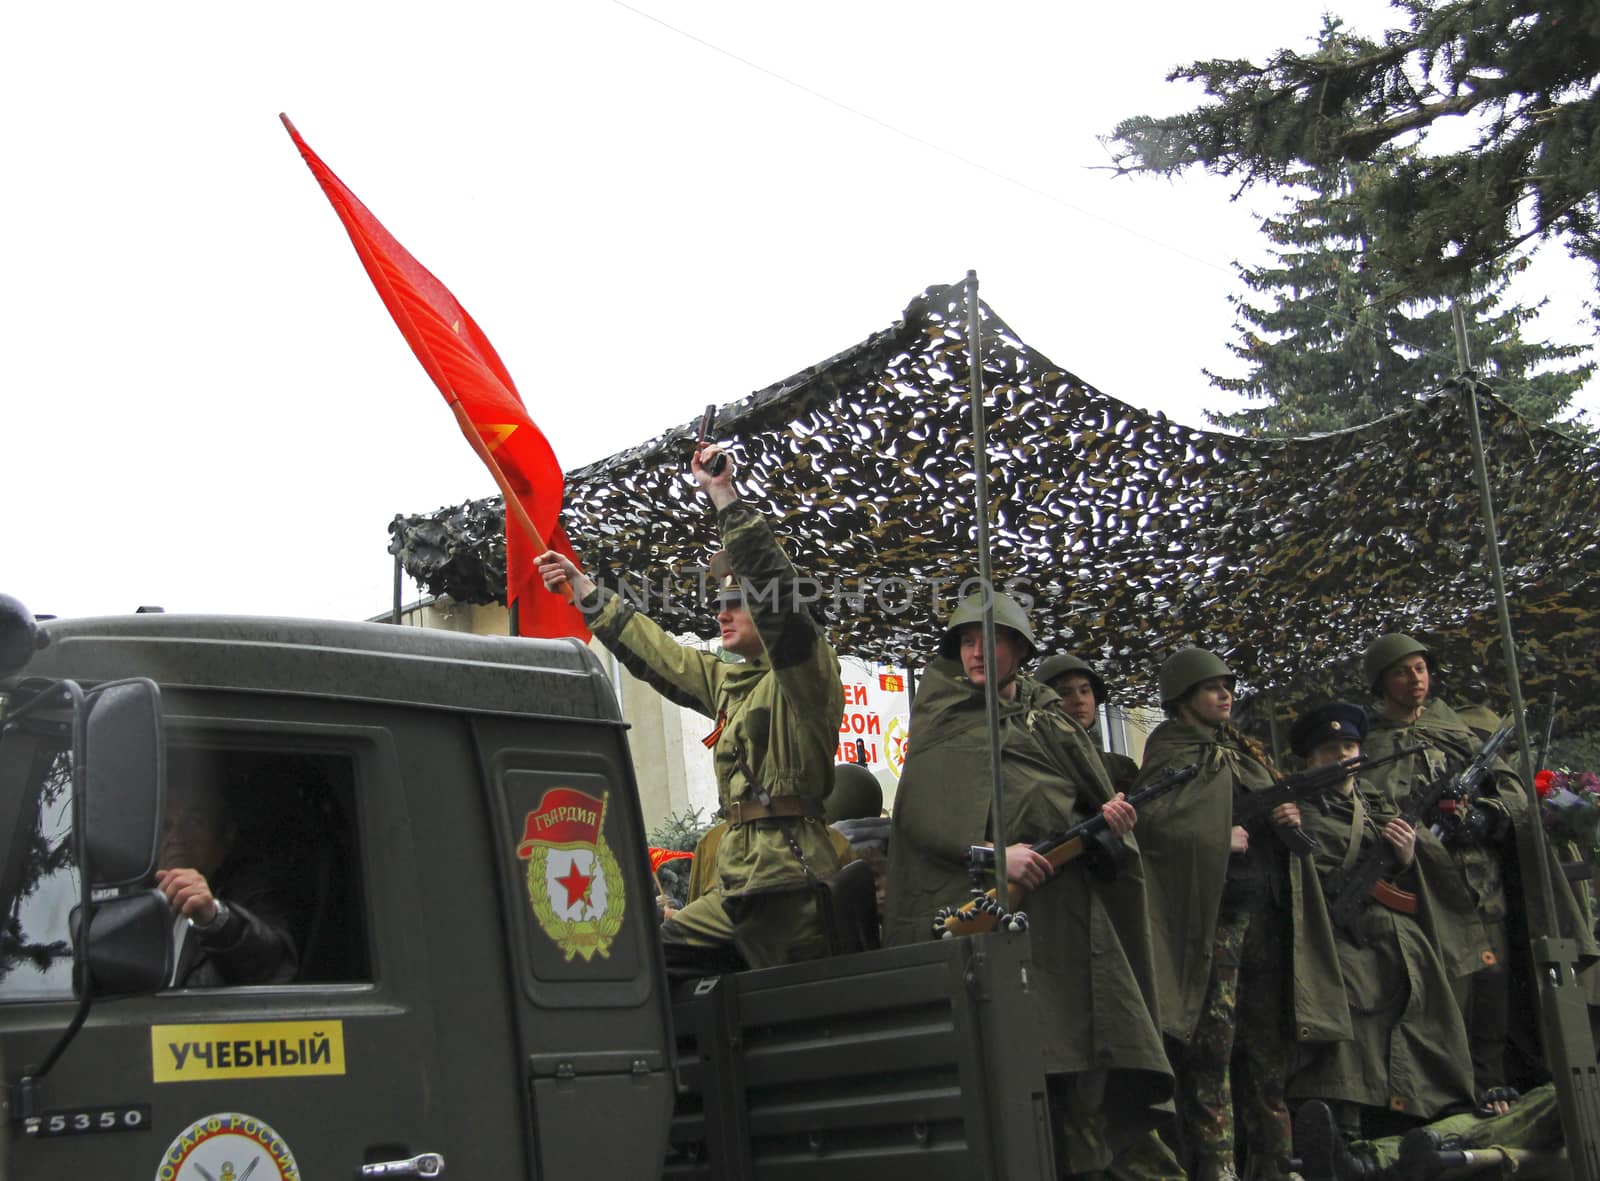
x=1333 y=314
x=931 y=145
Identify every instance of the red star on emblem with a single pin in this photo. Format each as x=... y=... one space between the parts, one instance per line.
x=577 y=884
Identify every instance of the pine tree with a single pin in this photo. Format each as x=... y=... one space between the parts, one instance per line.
x=1523 y=74
x=1328 y=350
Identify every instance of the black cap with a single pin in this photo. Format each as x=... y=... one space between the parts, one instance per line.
x=1335 y=720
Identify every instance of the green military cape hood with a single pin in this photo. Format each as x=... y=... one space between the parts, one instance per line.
x=1090 y=942
x=1185 y=842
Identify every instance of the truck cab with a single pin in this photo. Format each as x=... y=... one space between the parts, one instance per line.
x=451 y=826
x=447 y=828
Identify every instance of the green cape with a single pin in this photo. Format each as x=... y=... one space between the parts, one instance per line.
x=1185 y=841
x=1091 y=946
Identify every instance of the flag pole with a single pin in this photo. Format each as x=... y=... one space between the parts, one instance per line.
x=513 y=502
x=514 y=505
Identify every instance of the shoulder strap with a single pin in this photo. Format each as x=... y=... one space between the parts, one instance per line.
x=1358 y=813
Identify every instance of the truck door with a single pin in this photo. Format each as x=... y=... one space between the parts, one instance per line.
x=588 y=988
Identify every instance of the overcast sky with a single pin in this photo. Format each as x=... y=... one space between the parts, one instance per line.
x=647 y=207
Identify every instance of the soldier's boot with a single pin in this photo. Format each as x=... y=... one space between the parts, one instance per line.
x=1322 y=1153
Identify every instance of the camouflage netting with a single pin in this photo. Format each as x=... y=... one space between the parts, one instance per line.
x=1134 y=534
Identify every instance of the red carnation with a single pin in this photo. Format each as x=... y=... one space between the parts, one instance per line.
x=1544 y=782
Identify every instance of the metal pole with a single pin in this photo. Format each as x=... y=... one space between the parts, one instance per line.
x=398 y=571
x=1491 y=544
x=991 y=690
x=1563 y=1009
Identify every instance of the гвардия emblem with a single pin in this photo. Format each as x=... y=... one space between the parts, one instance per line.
x=574 y=883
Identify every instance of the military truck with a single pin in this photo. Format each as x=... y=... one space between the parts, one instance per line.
x=452 y=824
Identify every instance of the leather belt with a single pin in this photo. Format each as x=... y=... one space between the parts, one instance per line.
x=745 y=811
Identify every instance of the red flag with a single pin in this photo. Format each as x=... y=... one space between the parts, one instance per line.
x=659 y=857
x=463 y=364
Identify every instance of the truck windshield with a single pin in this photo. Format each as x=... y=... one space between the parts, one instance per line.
x=35 y=952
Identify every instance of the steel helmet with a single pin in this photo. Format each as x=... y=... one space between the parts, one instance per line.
x=1007 y=613
x=856 y=794
x=1384 y=652
x=1186 y=668
x=1063 y=663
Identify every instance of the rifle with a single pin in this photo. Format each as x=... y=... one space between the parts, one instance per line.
x=1250 y=807
x=983 y=912
x=1348 y=889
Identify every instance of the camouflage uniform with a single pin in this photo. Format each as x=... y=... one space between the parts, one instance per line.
x=1245 y=993
x=1530 y=1134
x=777 y=727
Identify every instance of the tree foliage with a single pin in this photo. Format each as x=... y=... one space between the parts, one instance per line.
x=1325 y=351
x=682 y=831
x=1575 y=752
x=1523 y=73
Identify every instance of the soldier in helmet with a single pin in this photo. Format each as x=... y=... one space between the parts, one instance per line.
x=1091 y=949
x=776 y=727
x=1082 y=694
x=1481 y=837
x=1227 y=905
x=856 y=794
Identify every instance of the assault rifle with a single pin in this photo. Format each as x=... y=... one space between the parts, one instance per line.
x=1348 y=889
x=1249 y=807
x=1093 y=836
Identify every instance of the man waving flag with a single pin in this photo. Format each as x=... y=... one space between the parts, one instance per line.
x=463 y=364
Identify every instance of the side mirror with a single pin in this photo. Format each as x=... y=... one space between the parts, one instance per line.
x=129 y=949
x=19 y=636
x=122 y=752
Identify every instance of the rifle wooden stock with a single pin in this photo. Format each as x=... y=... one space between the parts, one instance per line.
x=982 y=914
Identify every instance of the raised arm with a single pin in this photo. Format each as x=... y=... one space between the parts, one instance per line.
x=679 y=673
